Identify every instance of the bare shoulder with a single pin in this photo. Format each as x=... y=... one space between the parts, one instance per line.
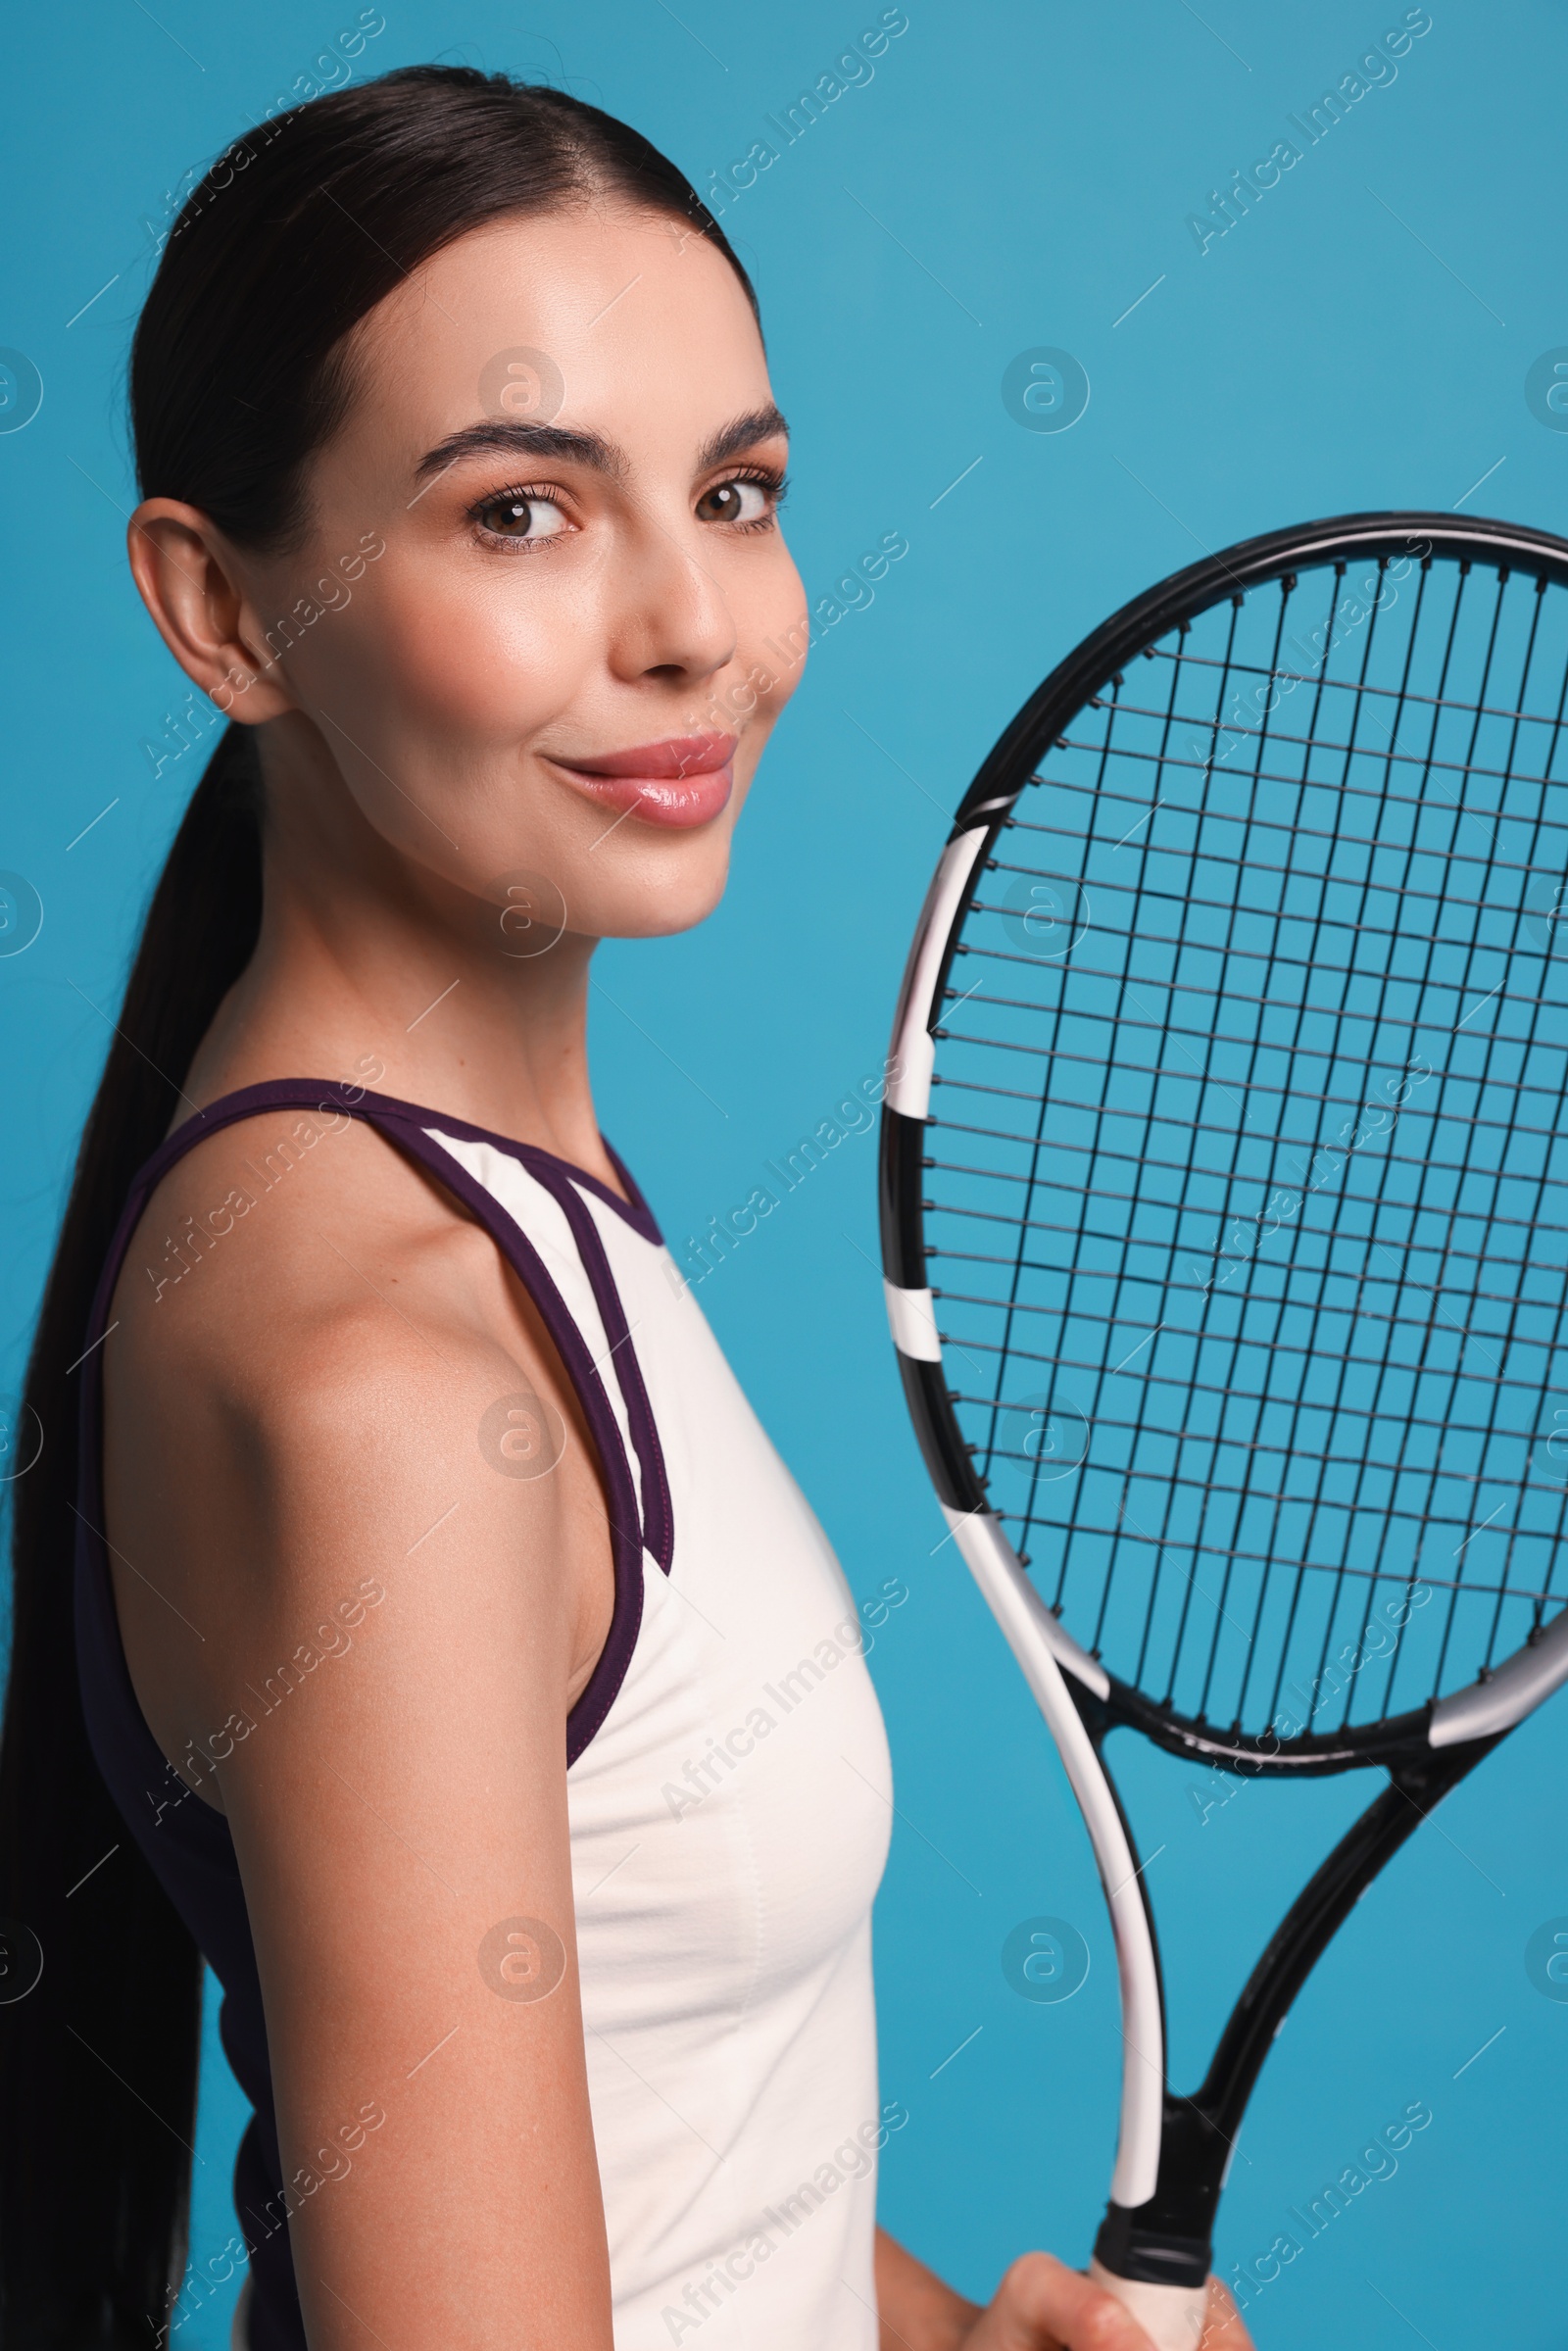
x=295 y=1292
x=319 y=1371
x=254 y=1234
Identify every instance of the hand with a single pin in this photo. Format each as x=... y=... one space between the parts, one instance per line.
x=1041 y=2304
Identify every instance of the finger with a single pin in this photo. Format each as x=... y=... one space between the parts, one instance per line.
x=1223 y=2330
x=1041 y=2304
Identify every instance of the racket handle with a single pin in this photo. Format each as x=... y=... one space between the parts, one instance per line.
x=1171 y=2316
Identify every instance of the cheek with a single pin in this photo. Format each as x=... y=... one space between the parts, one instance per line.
x=425 y=699
x=477 y=668
x=777 y=630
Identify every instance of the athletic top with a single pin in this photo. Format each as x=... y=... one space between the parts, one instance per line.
x=728 y=1778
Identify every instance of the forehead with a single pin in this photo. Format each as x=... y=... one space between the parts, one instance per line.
x=623 y=322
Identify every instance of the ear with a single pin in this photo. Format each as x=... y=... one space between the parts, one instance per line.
x=189 y=579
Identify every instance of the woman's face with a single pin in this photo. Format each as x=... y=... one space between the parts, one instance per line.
x=552 y=685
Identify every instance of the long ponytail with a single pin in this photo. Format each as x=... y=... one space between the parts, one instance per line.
x=238 y=375
x=92 y=2197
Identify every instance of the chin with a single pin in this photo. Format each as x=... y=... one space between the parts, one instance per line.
x=673 y=900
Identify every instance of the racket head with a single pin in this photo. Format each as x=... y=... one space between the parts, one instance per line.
x=1219 y=1171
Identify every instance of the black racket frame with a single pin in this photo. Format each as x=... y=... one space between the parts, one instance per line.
x=1170 y=2240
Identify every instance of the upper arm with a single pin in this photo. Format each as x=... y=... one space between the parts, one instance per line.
x=388 y=1637
x=390 y=1813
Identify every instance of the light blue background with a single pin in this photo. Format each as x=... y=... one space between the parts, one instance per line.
x=1013 y=176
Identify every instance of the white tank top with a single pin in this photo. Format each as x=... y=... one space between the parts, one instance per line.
x=730 y=1814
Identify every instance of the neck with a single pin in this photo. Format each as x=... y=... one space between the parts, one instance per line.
x=367 y=956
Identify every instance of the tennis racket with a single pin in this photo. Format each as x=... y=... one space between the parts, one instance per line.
x=1223 y=1224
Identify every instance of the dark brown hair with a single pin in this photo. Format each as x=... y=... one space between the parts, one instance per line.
x=237 y=377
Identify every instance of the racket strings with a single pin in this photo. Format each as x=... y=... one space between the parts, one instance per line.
x=1431 y=1331
x=1470 y=1139
x=1125 y=1495
x=1221 y=1614
x=1220 y=1512
x=1109 y=1158
x=1371 y=692
x=1331 y=1614
x=1275 y=1498
x=1220 y=859
x=1037 y=1140
x=1534 y=1011
x=1533 y=1006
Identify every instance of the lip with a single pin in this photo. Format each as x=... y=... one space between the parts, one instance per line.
x=685 y=780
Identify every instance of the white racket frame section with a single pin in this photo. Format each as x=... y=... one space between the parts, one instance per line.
x=1484 y=1709
x=1045 y=1653
x=1043 y=1649
x=914 y=1049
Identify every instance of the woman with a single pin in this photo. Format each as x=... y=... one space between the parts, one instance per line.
x=430 y=1569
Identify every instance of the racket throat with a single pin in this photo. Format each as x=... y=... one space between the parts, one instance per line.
x=1168 y=2240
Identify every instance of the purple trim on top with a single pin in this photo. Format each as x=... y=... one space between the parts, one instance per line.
x=282 y=1093
x=658 y=1515
x=403 y=1124
x=648 y=1226
x=628 y=1541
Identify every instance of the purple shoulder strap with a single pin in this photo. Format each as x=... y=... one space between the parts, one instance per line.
x=406 y=1126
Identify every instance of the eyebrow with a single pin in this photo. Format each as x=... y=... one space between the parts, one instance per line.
x=758 y=424
x=590 y=449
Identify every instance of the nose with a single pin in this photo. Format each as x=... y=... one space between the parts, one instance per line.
x=672 y=618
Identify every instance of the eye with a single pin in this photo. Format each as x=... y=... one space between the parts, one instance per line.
x=742 y=500
x=525 y=518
